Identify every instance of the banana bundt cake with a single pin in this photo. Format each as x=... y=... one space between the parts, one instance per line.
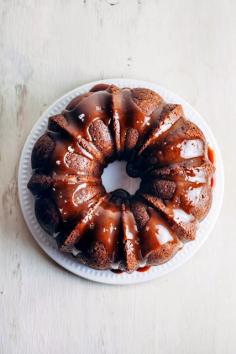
x=117 y=230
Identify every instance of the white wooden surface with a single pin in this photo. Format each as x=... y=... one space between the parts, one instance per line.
x=48 y=47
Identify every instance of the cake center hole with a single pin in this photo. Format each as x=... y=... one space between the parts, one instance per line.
x=115 y=177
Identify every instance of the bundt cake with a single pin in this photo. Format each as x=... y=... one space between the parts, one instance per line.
x=117 y=230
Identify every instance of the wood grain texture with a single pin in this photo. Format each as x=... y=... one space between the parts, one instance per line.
x=50 y=47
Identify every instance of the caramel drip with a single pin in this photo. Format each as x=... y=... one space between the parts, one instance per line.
x=94 y=107
x=192 y=187
x=183 y=224
x=128 y=115
x=130 y=240
x=104 y=228
x=167 y=118
x=143 y=269
x=71 y=197
x=211 y=155
x=62 y=146
x=155 y=234
x=189 y=196
x=173 y=152
x=71 y=238
x=68 y=158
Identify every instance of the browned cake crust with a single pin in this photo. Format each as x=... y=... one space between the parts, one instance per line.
x=115 y=230
x=147 y=100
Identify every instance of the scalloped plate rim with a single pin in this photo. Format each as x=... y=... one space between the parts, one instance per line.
x=68 y=262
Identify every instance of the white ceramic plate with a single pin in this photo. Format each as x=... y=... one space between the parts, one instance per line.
x=67 y=261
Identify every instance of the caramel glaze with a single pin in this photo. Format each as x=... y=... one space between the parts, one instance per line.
x=143 y=269
x=69 y=158
x=71 y=198
x=211 y=157
x=131 y=241
x=99 y=245
x=158 y=242
x=189 y=190
x=183 y=142
x=116 y=231
x=91 y=119
x=132 y=122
